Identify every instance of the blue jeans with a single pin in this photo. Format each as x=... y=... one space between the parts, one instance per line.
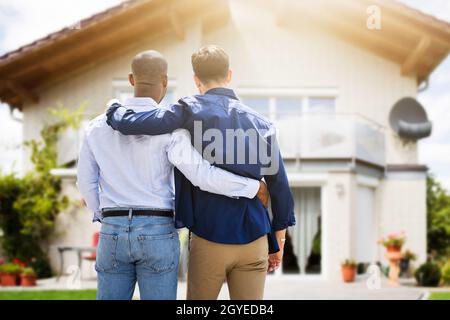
x=143 y=249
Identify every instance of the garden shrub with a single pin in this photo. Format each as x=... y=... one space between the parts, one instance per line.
x=428 y=275
x=29 y=205
x=445 y=271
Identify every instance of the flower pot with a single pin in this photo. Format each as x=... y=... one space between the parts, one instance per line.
x=393 y=249
x=8 y=280
x=348 y=274
x=28 y=280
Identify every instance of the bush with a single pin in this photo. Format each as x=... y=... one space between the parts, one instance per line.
x=428 y=275
x=30 y=205
x=446 y=273
x=438 y=219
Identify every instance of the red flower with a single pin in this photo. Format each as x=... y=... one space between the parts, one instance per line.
x=19 y=262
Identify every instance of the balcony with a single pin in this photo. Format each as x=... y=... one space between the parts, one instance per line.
x=331 y=136
x=307 y=136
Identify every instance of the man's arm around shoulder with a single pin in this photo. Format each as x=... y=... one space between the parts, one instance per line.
x=154 y=122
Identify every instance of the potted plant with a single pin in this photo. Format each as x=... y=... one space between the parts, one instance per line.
x=407 y=257
x=28 y=277
x=348 y=268
x=9 y=274
x=393 y=242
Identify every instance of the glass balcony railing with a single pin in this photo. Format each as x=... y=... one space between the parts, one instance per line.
x=304 y=136
x=331 y=136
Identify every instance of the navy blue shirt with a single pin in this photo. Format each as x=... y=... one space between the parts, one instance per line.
x=215 y=217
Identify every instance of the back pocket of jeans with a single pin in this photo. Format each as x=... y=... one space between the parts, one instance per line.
x=161 y=253
x=106 y=252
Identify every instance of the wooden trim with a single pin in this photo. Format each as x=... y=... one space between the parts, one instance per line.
x=22 y=92
x=413 y=59
x=96 y=42
x=175 y=23
x=419 y=21
x=406 y=168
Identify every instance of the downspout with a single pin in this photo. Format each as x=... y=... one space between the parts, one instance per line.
x=424 y=85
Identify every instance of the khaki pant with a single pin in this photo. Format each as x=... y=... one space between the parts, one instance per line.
x=243 y=266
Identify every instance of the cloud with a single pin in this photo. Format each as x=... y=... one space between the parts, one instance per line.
x=23 y=21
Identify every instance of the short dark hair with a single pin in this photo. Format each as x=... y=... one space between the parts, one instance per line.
x=210 y=63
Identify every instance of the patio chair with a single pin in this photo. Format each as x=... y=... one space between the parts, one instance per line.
x=79 y=251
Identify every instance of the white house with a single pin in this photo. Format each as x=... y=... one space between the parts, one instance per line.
x=328 y=73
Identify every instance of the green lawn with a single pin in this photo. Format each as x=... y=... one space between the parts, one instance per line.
x=439 y=296
x=48 y=295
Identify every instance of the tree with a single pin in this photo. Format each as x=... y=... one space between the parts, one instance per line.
x=438 y=219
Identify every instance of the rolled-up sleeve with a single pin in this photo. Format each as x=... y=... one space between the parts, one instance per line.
x=202 y=174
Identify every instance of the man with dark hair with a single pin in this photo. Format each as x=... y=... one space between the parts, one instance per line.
x=230 y=236
x=127 y=183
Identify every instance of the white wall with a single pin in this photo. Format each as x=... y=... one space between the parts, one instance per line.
x=402 y=207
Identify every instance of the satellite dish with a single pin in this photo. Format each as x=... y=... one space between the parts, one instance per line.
x=409 y=119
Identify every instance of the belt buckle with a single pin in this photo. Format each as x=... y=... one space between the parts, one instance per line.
x=130 y=213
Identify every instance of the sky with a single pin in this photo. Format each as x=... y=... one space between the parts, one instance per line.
x=23 y=21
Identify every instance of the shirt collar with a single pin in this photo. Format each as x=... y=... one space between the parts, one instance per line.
x=223 y=92
x=140 y=103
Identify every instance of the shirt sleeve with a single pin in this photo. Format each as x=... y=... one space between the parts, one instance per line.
x=154 y=122
x=282 y=202
x=87 y=178
x=202 y=174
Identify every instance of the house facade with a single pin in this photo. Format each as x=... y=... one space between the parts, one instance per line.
x=328 y=84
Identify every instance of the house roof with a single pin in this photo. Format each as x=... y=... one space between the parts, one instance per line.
x=417 y=41
x=51 y=58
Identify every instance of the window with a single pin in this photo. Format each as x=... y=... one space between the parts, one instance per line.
x=260 y=105
x=284 y=104
x=322 y=105
x=286 y=107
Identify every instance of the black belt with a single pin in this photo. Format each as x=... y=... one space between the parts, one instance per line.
x=137 y=212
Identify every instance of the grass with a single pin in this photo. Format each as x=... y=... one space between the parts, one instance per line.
x=439 y=296
x=48 y=295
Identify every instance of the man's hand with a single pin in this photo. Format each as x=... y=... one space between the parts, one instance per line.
x=263 y=194
x=275 y=259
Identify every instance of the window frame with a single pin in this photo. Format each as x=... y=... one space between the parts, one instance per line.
x=302 y=94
